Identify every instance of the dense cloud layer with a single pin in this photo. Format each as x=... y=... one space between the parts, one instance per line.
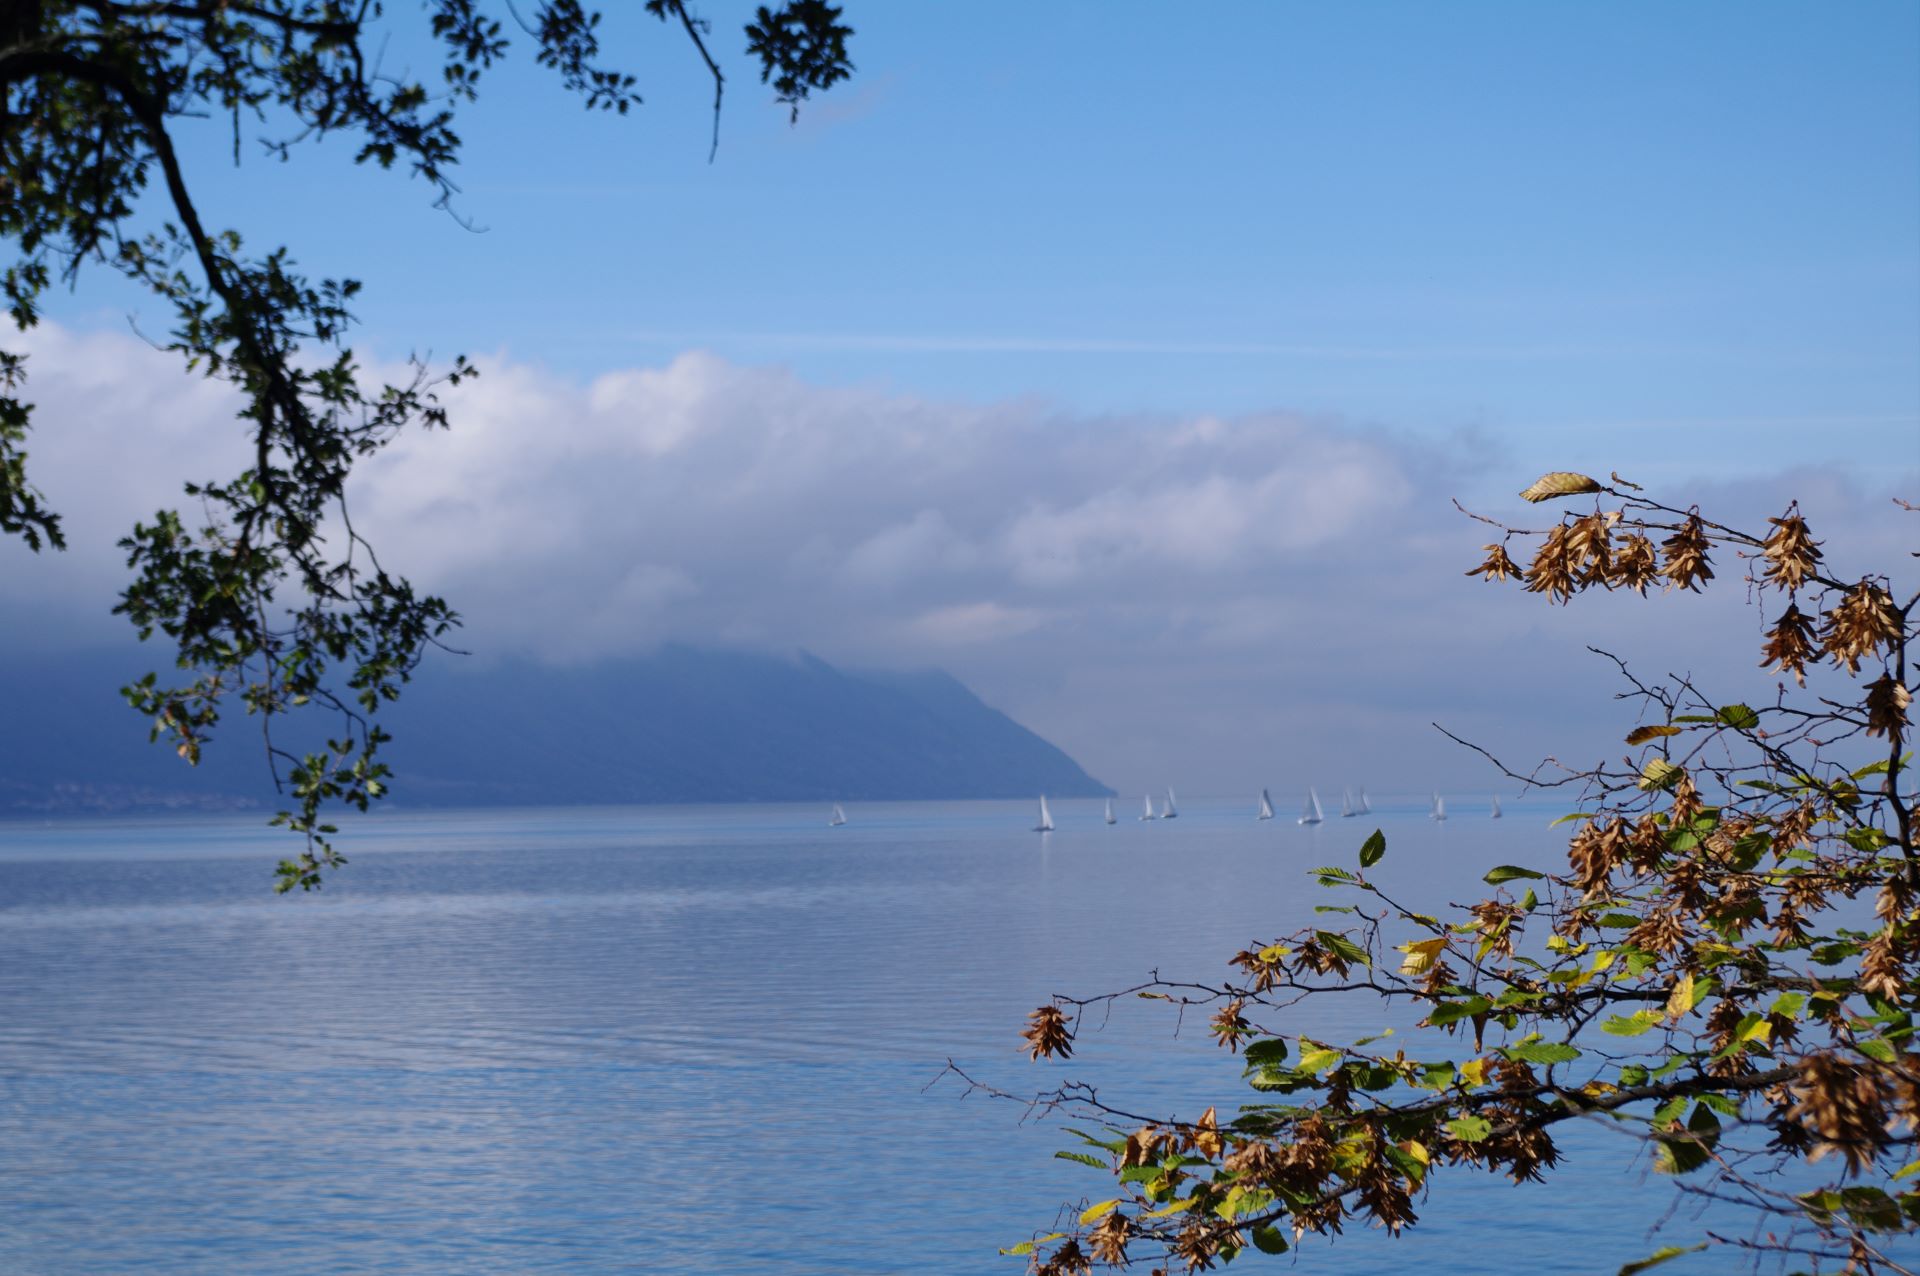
x=1213 y=603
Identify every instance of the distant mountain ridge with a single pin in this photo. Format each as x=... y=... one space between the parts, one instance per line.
x=682 y=725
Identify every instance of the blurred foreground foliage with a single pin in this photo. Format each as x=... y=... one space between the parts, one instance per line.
x=269 y=595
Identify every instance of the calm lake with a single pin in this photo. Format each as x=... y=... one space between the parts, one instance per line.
x=665 y=1039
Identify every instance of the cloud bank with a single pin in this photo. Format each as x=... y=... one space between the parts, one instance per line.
x=1211 y=602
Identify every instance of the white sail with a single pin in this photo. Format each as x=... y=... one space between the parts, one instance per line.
x=1366 y=808
x=1311 y=813
x=1266 y=806
x=1109 y=810
x=1167 y=812
x=838 y=818
x=1046 y=820
x=1439 y=811
x=1496 y=806
x=1346 y=804
x=1146 y=807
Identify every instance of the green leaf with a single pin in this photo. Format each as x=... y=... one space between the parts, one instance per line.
x=1328 y=875
x=1269 y=1052
x=1470 y=1129
x=1876 y=1049
x=1268 y=1240
x=1570 y=817
x=1374 y=847
x=1660 y=1256
x=1739 y=717
x=1083 y=1158
x=1542 y=1052
x=1631 y=1025
x=1510 y=872
x=1454 y=1011
x=1872 y=1209
x=1027 y=1247
x=1345 y=947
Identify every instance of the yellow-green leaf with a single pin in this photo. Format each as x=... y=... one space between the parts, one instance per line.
x=1185 y=1203
x=1421 y=954
x=1659 y=773
x=1660 y=1256
x=1680 y=1000
x=1558 y=483
x=1319 y=1059
x=1094 y=1213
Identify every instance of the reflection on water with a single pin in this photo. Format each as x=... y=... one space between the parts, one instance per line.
x=688 y=1039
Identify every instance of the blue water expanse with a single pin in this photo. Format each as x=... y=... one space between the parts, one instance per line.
x=663 y=1039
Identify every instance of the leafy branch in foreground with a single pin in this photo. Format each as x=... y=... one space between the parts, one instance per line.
x=274 y=598
x=1724 y=973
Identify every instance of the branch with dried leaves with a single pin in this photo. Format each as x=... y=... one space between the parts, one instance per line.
x=1724 y=972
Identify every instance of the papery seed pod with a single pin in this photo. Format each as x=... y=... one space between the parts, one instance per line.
x=1635 y=565
x=1143 y=1147
x=1860 y=625
x=1551 y=572
x=1046 y=1034
x=1590 y=545
x=1686 y=551
x=1791 y=552
x=1887 y=702
x=1843 y=1106
x=1108 y=1242
x=1790 y=644
x=1497 y=565
x=1230 y=1026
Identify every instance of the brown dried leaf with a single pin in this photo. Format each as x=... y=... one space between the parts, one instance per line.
x=1559 y=483
x=1640 y=735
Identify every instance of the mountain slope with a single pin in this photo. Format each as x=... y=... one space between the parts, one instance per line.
x=682 y=725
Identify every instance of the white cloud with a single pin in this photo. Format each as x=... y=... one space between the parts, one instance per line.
x=1215 y=601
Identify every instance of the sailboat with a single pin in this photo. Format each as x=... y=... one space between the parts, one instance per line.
x=1347 y=810
x=1366 y=808
x=838 y=818
x=1109 y=810
x=1167 y=812
x=1439 y=811
x=1496 y=806
x=1266 y=806
x=1146 y=808
x=1046 y=820
x=1311 y=813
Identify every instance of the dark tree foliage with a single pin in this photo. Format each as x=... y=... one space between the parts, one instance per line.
x=270 y=595
x=1724 y=975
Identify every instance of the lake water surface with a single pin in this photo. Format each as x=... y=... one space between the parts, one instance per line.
x=662 y=1039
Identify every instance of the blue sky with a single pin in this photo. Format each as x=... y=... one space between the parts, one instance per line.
x=1687 y=223
x=1445 y=245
